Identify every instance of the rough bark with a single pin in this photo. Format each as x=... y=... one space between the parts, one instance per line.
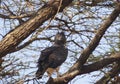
x=76 y=69
x=14 y=38
x=23 y=31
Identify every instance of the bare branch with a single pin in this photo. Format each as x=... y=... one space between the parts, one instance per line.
x=112 y=73
x=15 y=17
x=100 y=64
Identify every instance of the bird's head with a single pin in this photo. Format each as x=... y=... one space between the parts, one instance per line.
x=60 y=38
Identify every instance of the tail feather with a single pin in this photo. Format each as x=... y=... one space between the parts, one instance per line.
x=41 y=70
x=39 y=73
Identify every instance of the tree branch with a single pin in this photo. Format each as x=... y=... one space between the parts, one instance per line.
x=21 y=32
x=112 y=73
x=100 y=64
x=15 y=17
x=85 y=69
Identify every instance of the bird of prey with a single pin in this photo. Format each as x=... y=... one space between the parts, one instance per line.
x=52 y=57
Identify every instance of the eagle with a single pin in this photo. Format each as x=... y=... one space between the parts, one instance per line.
x=52 y=57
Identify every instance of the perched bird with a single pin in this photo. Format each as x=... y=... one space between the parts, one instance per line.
x=52 y=57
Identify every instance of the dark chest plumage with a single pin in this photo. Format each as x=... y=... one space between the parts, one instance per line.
x=58 y=56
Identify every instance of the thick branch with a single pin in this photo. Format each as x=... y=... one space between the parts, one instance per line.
x=100 y=64
x=21 y=32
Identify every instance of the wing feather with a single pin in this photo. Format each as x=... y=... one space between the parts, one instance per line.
x=43 y=61
x=45 y=53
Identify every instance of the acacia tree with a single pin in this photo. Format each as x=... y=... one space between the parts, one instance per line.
x=91 y=28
